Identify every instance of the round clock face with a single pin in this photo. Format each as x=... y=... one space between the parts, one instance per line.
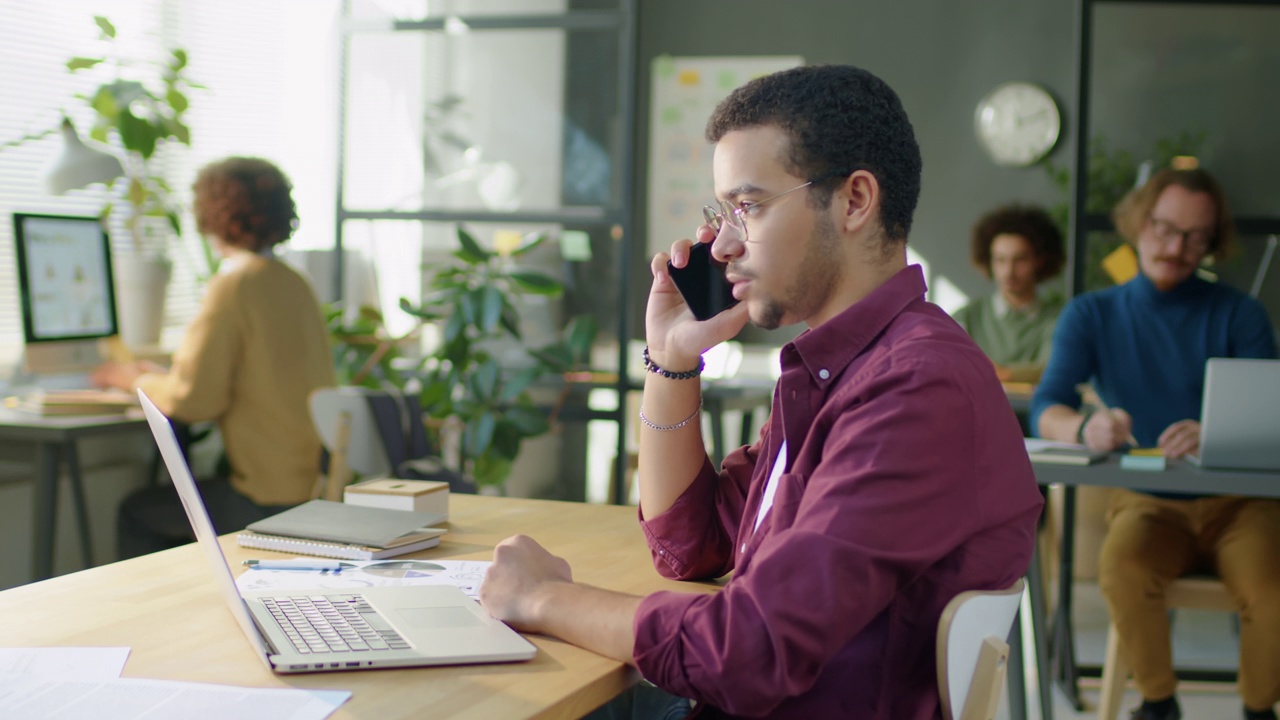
x=1018 y=123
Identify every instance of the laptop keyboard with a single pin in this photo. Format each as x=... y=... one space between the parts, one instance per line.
x=333 y=624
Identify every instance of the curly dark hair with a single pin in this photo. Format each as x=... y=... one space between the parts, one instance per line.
x=244 y=201
x=1134 y=210
x=839 y=119
x=1028 y=221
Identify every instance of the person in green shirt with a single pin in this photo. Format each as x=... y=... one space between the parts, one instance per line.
x=1017 y=247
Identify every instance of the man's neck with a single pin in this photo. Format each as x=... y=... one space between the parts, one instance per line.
x=872 y=268
x=1018 y=302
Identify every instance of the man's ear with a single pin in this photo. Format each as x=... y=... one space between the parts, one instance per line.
x=859 y=201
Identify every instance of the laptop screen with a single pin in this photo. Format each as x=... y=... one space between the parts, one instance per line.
x=199 y=517
x=1240 y=415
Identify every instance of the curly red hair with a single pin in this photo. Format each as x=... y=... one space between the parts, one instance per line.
x=246 y=202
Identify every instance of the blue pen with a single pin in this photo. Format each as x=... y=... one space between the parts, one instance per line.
x=333 y=565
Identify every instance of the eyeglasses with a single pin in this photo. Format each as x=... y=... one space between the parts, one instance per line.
x=1197 y=239
x=736 y=215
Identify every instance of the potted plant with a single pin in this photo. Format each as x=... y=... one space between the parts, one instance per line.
x=474 y=391
x=138 y=117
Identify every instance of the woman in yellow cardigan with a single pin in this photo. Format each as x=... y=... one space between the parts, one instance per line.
x=248 y=361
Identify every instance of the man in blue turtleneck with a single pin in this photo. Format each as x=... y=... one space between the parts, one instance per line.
x=1143 y=346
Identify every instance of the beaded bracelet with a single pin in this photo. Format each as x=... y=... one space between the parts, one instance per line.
x=653 y=367
x=668 y=428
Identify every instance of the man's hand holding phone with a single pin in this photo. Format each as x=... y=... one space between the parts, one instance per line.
x=675 y=335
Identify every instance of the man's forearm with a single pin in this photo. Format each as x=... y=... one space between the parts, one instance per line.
x=670 y=458
x=599 y=620
x=1059 y=422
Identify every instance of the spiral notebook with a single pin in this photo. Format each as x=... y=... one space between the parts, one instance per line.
x=342 y=551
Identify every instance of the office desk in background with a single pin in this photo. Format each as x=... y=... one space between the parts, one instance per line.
x=55 y=439
x=166 y=608
x=1181 y=477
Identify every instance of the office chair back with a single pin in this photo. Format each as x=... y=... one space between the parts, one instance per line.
x=973 y=652
x=376 y=433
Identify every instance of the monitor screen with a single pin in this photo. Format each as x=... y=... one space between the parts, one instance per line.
x=64 y=278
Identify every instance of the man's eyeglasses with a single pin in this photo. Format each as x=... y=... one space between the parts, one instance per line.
x=736 y=215
x=1197 y=239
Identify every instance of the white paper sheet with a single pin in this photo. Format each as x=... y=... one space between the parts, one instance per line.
x=466 y=574
x=25 y=697
x=82 y=663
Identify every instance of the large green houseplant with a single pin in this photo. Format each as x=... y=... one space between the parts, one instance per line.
x=474 y=390
x=138 y=109
x=138 y=118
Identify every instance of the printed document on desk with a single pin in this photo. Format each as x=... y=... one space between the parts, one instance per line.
x=1060 y=453
x=465 y=574
x=81 y=663
x=24 y=696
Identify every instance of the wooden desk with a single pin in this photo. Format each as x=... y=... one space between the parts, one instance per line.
x=166 y=607
x=1180 y=477
x=55 y=439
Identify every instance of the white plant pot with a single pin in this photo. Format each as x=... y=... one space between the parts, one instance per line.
x=142 y=281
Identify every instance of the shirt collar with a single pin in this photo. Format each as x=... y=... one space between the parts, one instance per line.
x=1188 y=288
x=827 y=349
x=234 y=259
x=1003 y=308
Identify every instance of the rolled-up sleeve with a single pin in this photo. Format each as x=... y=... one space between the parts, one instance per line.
x=693 y=539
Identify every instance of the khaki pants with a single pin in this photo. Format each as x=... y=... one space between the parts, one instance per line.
x=1151 y=541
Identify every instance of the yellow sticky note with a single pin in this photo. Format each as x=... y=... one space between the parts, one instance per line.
x=1121 y=264
x=689 y=77
x=1147 y=452
x=505 y=242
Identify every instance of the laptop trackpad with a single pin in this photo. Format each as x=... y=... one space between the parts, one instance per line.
x=438 y=617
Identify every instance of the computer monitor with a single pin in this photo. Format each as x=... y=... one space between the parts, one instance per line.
x=67 y=291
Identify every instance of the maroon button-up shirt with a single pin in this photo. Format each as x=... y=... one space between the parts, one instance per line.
x=906 y=482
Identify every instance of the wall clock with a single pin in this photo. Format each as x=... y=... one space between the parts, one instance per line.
x=1018 y=123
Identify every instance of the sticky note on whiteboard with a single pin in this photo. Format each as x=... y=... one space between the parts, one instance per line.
x=1121 y=264
x=575 y=245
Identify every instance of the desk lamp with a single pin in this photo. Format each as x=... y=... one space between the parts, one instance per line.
x=79 y=165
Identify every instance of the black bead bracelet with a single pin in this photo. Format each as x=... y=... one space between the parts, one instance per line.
x=653 y=367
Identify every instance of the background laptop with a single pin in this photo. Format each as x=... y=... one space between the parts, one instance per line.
x=1240 y=415
x=387 y=626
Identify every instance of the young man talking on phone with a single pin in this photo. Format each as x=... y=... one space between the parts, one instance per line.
x=891 y=475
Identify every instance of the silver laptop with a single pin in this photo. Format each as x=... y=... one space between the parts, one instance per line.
x=360 y=628
x=1240 y=415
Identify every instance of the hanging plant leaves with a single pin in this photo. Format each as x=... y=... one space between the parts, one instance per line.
x=470 y=252
x=535 y=282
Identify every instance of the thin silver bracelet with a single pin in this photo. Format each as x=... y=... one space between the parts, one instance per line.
x=668 y=428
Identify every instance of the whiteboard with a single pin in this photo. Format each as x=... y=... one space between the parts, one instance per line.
x=685 y=91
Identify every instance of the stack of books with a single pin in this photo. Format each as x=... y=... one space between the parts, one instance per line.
x=1060 y=453
x=347 y=532
x=74 y=402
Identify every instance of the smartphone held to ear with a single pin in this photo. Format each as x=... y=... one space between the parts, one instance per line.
x=702 y=283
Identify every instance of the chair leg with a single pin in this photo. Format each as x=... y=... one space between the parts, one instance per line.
x=1114 y=674
x=1015 y=677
